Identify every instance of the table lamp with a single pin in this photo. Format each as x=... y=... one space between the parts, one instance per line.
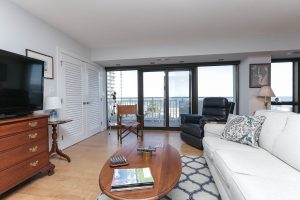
x=53 y=103
x=266 y=91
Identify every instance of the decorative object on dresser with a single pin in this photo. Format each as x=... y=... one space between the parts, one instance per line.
x=54 y=148
x=23 y=150
x=53 y=103
x=266 y=92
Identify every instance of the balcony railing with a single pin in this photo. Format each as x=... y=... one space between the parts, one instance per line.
x=154 y=109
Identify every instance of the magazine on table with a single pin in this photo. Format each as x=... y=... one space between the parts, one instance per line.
x=132 y=178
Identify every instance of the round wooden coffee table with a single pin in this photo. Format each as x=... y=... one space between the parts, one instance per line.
x=165 y=165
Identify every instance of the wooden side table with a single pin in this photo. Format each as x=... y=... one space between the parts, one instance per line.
x=54 y=148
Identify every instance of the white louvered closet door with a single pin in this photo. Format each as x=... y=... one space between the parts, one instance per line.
x=92 y=100
x=73 y=98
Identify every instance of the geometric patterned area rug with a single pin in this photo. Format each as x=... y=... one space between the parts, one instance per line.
x=196 y=182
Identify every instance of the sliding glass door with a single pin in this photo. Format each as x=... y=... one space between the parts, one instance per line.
x=166 y=95
x=154 y=99
x=163 y=93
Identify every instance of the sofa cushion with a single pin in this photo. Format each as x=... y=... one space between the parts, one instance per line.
x=245 y=187
x=272 y=127
x=243 y=129
x=212 y=144
x=257 y=162
x=192 y=129
x=213 y=129
x=287 y=144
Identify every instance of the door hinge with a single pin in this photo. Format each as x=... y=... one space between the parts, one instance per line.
x=62 y=100
x=62 y=137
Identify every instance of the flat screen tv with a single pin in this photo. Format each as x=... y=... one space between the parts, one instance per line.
x=21 y=84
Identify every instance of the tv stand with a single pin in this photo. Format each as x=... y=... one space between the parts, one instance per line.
x=24 y=146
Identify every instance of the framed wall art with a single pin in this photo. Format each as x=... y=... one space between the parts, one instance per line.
x=259 y=75
x=48 y=62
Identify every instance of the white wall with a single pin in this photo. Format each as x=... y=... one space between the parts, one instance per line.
x=249 y=102
x=20 y=30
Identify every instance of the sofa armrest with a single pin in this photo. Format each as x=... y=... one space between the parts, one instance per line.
x=213 y=130
x=190 y=118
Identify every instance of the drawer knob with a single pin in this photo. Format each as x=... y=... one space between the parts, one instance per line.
x=32 y=135
x=33 y=149
x=34 y=164
x=33 y=124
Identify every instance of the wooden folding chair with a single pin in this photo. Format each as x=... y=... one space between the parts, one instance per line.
x=126 y=127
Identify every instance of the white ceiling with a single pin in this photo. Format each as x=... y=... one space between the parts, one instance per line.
x=100 y=24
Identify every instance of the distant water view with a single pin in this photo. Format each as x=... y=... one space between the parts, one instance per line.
x=283 y=98
x=282 y=107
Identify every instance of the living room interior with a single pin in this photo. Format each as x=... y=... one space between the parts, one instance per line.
x=212 y=88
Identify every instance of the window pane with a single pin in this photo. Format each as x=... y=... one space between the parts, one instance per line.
x=154 y=94
x=124 y=84
x=282 y=84
x=179 y=100
x=215 y=81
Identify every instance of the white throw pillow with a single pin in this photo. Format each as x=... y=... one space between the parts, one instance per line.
x=243 y=129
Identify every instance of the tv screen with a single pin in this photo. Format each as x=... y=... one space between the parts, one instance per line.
x=21 y=84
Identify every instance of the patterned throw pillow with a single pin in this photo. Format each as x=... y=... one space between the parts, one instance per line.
x=243 y=129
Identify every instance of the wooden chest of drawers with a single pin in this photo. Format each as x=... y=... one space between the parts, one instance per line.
x=23 y=150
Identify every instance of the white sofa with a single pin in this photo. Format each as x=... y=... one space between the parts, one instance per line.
x=270 y=172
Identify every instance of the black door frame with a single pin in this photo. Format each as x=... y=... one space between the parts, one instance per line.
x=192 y=67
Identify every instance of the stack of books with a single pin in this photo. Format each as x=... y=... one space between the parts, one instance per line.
x=131 y=179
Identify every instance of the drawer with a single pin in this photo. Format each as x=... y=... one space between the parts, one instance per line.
x=18 y=173
x=22 y=138
x=11 y=157
x=23 y=126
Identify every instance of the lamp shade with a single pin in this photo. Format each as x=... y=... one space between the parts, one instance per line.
x=266 y=91
x=52 y=103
